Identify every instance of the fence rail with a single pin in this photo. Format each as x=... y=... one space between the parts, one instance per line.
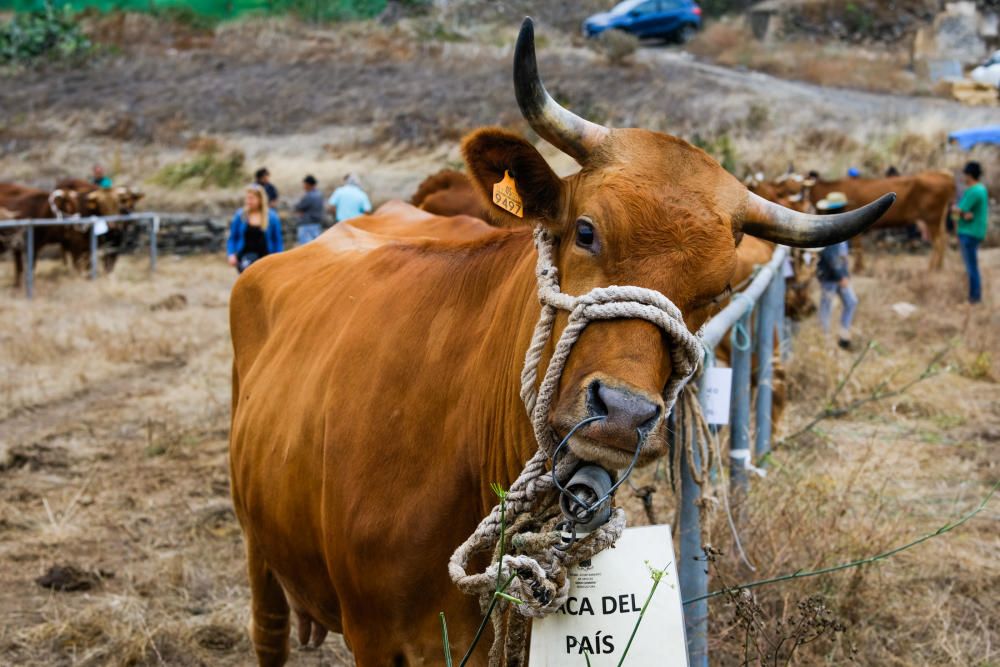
x=93 y=223
x=765 y=295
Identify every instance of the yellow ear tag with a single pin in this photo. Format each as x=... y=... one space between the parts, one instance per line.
x=505 y=196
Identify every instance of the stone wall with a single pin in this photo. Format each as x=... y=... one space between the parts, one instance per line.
x=182 y=235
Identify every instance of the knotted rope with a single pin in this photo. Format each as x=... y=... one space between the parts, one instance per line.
x=538 y=572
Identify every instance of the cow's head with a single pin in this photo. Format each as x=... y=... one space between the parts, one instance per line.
x=128 y=198
x=63 y=202
x=97 y=202
x=646 y=209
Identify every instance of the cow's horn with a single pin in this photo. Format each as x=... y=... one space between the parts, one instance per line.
x=562 y=128
x=769 y=221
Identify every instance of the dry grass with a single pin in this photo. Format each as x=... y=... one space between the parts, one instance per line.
x=831 y=64
x=116 y=463
x=878 y=478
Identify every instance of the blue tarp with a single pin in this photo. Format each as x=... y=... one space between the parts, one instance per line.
x=966 y=139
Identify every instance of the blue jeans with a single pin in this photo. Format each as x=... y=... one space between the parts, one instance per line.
x=847 y=298
x=969 y=247
x=306 y=233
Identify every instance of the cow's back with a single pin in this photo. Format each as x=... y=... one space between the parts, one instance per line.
x=285 y=281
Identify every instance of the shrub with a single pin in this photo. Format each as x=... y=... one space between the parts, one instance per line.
x=49 y=33
x=615 y=45
x=210 y=167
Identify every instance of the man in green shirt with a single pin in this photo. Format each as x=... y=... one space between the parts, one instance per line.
x=972 y=226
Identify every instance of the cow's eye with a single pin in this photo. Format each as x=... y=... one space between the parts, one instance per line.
x=725 y=294
x=586 y=237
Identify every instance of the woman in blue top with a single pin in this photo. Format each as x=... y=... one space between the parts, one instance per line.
x=255 y=230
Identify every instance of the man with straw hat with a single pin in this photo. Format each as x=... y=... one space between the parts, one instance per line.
x=834 y=277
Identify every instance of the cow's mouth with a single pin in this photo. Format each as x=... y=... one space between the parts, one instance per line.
x=609 y=425
x=585 y=507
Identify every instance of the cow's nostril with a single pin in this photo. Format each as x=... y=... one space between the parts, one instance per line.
x=597 y=405
x=624 y=408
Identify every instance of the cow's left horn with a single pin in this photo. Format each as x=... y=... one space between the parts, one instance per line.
x=769 y=221
x=575 y=136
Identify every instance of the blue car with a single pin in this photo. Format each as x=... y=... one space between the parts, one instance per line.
x=675 y=20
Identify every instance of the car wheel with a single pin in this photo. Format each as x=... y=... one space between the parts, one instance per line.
x=686 y=33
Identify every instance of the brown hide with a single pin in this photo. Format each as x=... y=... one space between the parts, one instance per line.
x=447 y=193
x=922 y=199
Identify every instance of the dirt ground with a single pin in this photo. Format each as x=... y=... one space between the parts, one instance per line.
x=114 y=422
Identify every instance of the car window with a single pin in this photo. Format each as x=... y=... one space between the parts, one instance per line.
x=625 y=7
x=671 y=5
x=649 y=7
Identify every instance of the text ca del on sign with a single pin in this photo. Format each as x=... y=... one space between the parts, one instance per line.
x=605 y=598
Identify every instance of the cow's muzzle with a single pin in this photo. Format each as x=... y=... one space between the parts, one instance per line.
x=625 y=413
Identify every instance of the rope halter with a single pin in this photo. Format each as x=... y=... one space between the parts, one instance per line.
x=537 y=570
x=600 y=303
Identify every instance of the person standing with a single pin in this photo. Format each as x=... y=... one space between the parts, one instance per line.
x=255 y=231
x=262 y=177
x=971 y=226
x=99 y=178
x=349 y=200
x=310 y=210
x=834 y=276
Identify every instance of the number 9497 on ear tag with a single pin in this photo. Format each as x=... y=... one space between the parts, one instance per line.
x=505 y=196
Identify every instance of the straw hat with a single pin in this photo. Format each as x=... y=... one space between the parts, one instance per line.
x=832 y=202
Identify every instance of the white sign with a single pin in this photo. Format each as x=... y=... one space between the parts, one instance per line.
x=605 y=598
x=100 y=227
x=715 y=394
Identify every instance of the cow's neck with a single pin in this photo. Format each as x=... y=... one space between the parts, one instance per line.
x=501 y=422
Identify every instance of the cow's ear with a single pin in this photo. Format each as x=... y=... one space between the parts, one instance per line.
x=492 y=155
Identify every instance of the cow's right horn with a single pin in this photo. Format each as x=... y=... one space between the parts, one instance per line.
x=772 y=222
x=575 y=136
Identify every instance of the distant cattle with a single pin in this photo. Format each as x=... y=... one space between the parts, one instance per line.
x=922 y=199
x=22 y=202
x=102 y=202
x=447 y=193
x=377 y=373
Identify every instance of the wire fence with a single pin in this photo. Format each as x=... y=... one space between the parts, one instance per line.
x=751 y=319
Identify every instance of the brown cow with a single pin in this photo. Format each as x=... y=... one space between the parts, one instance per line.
x=922 y=199
x=102 y=202
x=376 y=376
x=448 y=193
x=24 y=202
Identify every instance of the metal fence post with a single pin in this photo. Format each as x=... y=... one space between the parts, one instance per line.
x=154 y=230
x=784 y=334
x=29 y=264
x=93 y=250
x=765 y=354
x=739 y=419
x=693 y=577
